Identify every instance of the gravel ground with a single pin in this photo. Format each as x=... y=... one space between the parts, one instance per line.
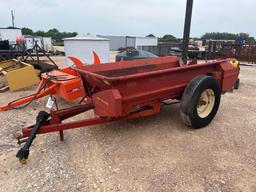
x=157 y=153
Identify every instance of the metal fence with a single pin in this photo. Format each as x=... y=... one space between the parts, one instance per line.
x=166 y=50
x=245 y=53
x=214 y=50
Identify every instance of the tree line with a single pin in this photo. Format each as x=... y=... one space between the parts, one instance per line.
x=57 y=36
x=165 y=38
x=54 y=33
x=239 y=37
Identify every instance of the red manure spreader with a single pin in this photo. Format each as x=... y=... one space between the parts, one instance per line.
x=134 y=89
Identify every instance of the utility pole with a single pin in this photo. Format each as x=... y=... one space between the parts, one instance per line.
x=186 y=34
x=12 y=13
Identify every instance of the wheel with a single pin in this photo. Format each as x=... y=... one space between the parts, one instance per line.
x=237 y=84
x=200 y=101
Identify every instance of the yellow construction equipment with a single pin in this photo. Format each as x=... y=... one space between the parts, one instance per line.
x=18 y=74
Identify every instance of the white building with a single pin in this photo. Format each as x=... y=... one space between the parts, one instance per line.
x=83 y=47
x=117 y=42
x=10 y=34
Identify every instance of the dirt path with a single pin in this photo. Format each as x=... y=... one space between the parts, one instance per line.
x=153 y=154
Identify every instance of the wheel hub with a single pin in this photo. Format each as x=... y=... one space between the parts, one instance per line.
x=205 y=103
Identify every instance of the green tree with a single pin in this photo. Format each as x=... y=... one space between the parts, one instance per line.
x=150 y=35
x=27 y=31
x=57 y=36
x=229 y=36
x=219 y=36
x=245 y=37
x=168 y=38
x=54 y=33
x=39 y=33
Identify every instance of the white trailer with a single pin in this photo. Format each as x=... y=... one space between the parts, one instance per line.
x=43 y=42
x=47 y=44
x=118 y=42
x=145 y=41
x=10 y=34
x=29 y=41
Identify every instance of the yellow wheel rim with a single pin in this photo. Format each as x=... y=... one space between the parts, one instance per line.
x=205 y=103
x=234 y=63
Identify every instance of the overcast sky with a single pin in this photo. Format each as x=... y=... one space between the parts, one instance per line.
x=131 y=17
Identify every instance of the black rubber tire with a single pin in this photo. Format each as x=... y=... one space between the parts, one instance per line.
x=237 y=84
x=189 y=100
